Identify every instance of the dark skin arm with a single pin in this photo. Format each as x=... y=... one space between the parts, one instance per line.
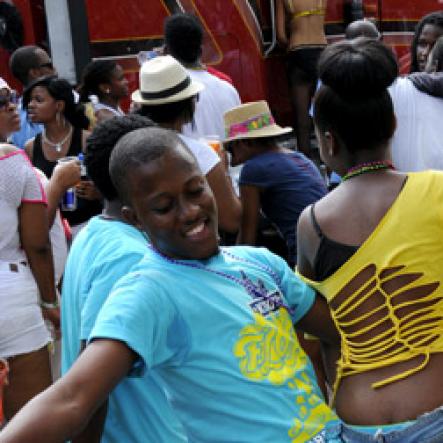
x=307 y=244
x=229 y=206
x=250 y=200
x=34 y=237
x=281 y=23
x=86 y=188
x=71 y=401
x=94 y=429
x=64 y=176
x=318 y=322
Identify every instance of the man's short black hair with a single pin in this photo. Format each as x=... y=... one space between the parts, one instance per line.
x=101 y=143
x=138 y=148
x=22 y=61
x=184 y=37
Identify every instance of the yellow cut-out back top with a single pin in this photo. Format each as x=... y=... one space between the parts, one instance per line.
x=387 y=299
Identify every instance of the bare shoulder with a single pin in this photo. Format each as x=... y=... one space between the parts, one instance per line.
x=29 y=147
x=6 y=148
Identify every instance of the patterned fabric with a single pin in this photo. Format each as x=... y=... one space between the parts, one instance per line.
x=387 y=299
x=250 y=125
x=18 y=184
x=229 y=357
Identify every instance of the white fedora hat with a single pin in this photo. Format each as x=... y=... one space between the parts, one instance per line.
x=164 y=80
x=251 y=120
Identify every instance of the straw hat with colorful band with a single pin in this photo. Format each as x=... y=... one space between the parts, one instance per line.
x=251 y=120
x=164 y=80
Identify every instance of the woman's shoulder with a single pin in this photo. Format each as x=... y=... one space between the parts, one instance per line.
x=6 y=149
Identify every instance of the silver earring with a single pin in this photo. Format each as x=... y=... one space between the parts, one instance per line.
x=57 y=118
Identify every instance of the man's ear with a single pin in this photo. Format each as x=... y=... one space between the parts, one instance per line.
x=333 y=143
x=105 y=88
x=33 y=74
x=129 y=216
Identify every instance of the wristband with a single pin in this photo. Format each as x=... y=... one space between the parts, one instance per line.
x=49 y=305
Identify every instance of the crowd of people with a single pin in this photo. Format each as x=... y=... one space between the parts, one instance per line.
x=170 y=330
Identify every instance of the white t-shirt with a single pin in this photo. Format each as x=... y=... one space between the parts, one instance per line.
x=417 y=144
x=18 y=184
x=204 y=154
x=218 y=97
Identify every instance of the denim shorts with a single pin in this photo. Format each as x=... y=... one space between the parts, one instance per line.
x=428 y=428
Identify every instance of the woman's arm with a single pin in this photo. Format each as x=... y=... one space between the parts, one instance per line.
x=281 y=23
x=250 y=200
x=64 y=176
x=228 y=204
x=307 y=244
x=64 y=409
x=34 y=237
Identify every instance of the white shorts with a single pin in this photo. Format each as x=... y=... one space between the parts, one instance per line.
x=22 y=329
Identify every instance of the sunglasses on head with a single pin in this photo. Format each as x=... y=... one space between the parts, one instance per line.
x=10 y=97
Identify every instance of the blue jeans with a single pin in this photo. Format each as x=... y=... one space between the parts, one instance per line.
x=428 y=428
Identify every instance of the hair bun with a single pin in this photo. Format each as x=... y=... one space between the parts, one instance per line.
x=358 y=69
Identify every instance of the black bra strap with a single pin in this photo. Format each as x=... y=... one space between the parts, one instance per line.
x=315 y=223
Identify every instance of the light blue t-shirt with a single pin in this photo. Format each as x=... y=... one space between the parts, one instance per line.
x=228 y=355
x=103 y=252
x=27 y=129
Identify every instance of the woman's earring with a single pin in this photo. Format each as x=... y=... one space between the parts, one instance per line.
x=57 y=118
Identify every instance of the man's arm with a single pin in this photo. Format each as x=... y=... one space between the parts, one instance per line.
x=250 y=200
x=64 y=409
x=431 y=84
x=94 y=429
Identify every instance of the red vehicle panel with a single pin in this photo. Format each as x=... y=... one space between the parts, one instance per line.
x=238 y=35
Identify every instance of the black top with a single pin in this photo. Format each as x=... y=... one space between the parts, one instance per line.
x=85 y=208
x=330 y=255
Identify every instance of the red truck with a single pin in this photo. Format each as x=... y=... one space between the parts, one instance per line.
x=240 y=36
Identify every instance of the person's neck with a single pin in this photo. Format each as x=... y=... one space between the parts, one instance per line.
x=259 y=150
x=110 y=101
x=194 y=65
x=358 y=158
x=175 y=125
x=55 y=131
x=112 y=210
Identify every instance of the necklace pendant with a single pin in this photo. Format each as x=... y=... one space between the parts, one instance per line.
x=58 y=148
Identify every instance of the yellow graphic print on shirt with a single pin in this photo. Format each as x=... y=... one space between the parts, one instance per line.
x=269 y=350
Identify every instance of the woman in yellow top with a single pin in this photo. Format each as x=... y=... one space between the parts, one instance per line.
x=373 y=247
x=305 y=44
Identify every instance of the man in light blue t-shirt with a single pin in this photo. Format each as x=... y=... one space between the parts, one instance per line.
x=105 y=250
x=215 y=324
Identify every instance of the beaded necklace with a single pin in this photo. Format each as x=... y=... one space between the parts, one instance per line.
x=363 y=168
x=256 y=291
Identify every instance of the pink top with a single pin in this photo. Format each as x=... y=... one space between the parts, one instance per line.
x=18 y=184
